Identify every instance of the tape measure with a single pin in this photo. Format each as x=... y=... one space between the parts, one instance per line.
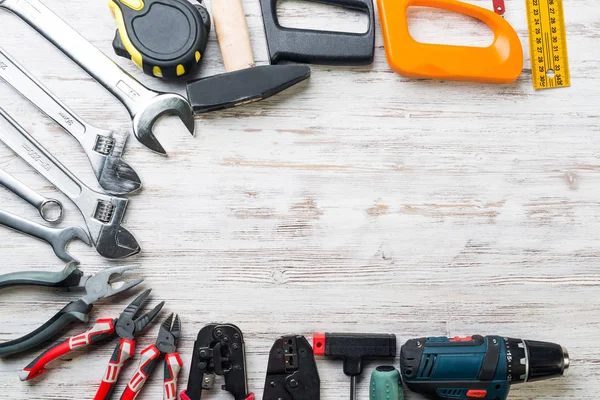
x=548 y=44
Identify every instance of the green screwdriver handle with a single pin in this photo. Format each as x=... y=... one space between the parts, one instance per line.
x=386 y=384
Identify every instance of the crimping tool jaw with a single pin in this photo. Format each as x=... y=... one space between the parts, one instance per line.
x=219 y=350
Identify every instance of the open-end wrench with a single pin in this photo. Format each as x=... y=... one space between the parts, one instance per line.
x=103 y=148
x=102 y=213
x=57 y=238
x=51 y=210
x=144 y=105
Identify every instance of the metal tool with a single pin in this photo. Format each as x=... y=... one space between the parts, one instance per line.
x=219 y=350
x=51 y=210
x=103 y=214
x=164 y=349
x=548 y=44
x=164 y=38
x=96 y=286
x=292 y=371
x=59 y=239
x=477 y=367
x=103 y=148
x=386 y=384
x=501 y=62
x=318 y=46
x=144 y=105
x=244 y=82
x=353 y=349
x=126 y=327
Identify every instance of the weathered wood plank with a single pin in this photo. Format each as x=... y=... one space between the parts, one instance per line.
x=357 y=201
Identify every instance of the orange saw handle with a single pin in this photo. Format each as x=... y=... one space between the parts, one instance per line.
x=501 y=62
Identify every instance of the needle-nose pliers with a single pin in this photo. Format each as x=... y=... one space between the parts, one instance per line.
x=127 y=327
x=96 y=286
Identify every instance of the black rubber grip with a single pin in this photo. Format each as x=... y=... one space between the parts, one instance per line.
x=169 y=35
x=317 y=46
x=70 y=277
x=72 y=312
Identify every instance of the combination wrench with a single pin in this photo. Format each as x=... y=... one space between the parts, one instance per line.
x=144 y=105
x=51 y=210
x=103 y=148
x=102 y=213
x=57 y=238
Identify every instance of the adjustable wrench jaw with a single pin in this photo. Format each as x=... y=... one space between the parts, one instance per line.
x=103 y=215
x=104 y=149
x=146 y=113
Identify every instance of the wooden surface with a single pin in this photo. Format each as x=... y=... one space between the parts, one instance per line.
x=357 y=201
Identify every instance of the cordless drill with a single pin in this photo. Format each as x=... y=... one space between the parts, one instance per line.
x=477 y=367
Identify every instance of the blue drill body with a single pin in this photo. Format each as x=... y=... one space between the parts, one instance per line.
x=477 y=367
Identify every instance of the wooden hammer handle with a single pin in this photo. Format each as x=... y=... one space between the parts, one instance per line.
x=233 y=35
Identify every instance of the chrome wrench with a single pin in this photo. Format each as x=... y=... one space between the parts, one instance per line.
x=102 y=213
x=51 y=210
x=144 y=105
x=103 y=148
x=57 y=238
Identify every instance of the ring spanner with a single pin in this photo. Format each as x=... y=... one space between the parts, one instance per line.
x=102 y=213
x=103 y=148
x=144 y=105
x=44 y=205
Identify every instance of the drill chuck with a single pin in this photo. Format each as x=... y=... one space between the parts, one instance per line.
x=476 y=366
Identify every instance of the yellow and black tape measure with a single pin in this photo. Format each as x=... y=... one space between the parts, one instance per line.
x=548 y=44
x=165 y=38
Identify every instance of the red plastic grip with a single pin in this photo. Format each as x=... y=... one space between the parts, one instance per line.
x=101 y=330
x=38 y=366
x=319 y=341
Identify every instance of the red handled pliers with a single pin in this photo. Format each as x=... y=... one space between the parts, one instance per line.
x=165 y=348
x=127 y=327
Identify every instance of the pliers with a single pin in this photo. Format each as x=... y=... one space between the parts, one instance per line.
x=96 y=286
x=126 y=327
x=165 y=348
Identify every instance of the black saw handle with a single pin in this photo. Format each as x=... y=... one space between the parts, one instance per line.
x=316 y=46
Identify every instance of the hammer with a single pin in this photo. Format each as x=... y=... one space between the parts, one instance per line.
x=243 y=82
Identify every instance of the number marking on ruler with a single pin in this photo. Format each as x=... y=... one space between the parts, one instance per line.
x=548 y=44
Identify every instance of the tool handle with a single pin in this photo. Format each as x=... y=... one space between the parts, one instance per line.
x=102 y=330
x=148 y=361
x=26 y=226
x=123 y=352
x=67 y=278
x=41 y=203
x=82 y=52
x=233 y=35
x=75 y=311
x=173 y=365
x=318 y=46
x=31 y=88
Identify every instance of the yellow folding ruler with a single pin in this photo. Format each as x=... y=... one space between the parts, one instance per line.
x=548 y=44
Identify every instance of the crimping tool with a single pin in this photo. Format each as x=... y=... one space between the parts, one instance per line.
x=292 y=371
x=219 y=350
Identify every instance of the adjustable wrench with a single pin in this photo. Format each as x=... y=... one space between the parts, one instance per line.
x=57 y=238
x=102 y=213
x=144 y=105
x=51 y=210
x=103 y=148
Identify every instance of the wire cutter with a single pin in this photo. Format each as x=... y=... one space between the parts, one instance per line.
x=96 y=286
x=127 y=327
x=165 y=348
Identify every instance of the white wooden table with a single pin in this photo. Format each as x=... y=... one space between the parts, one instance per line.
x=357 y=201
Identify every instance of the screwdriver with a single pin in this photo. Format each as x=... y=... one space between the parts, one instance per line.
x=164 y=38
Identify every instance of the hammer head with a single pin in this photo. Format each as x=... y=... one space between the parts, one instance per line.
x=153 y=109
